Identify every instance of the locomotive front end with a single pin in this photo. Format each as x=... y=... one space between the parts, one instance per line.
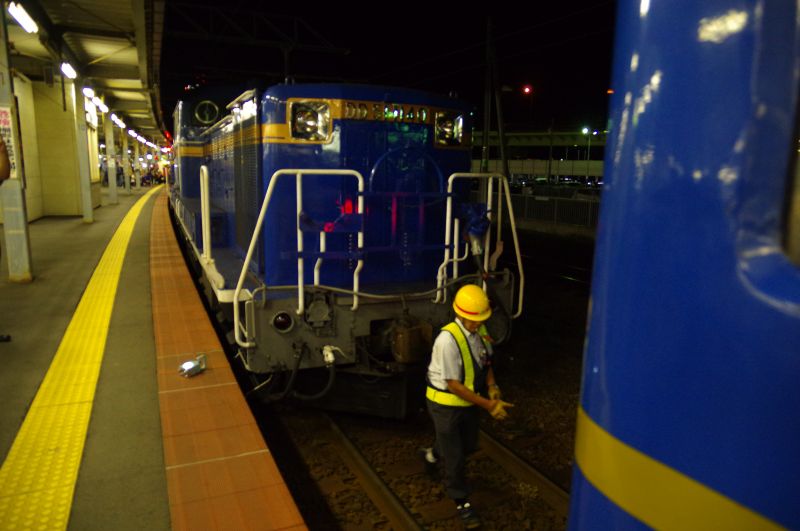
x=340 y=210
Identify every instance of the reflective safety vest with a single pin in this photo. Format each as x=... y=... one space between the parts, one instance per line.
x=446 y=398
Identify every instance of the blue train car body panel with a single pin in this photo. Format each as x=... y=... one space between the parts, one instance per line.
x=399 y=161
x=691 y=367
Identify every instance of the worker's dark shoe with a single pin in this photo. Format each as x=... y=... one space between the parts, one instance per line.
x=468 y=516
x=430 y=462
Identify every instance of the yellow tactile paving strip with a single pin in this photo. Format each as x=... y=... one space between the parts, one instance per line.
x=37 y=480
x=220 y=473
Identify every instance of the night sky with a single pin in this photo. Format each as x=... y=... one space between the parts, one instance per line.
x=562 y=49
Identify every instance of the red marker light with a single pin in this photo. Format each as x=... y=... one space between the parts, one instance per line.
x=347 y=208
x=527 y=89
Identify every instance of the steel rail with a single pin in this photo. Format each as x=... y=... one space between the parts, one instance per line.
x=381 y=495
x=551 y=493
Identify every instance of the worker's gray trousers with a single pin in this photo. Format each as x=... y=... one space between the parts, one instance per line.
x=456 y=438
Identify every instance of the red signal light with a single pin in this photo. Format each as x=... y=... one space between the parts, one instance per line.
x=527 y=89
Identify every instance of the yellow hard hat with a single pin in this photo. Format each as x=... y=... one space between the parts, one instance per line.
x=472 y=303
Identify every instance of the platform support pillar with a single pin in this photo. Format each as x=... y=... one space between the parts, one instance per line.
x=126 y=161
x=111 y=159
x=12 y=192
x=82 y=150
x=137 y=172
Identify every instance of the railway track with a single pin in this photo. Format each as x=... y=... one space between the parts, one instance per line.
x=371 y=477
x=342 y=489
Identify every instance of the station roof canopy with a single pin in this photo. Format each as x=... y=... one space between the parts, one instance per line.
x=114 y=46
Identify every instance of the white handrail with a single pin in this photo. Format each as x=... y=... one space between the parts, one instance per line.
x=301 y=299
x=256 y=231
x=455 y=262
x=504 y=189
x=322 y=249
x=205 y=213
x=360 y=263
x=487 y=241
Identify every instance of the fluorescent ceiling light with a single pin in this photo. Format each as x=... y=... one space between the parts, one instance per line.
x=22 y=17
x=68 y=71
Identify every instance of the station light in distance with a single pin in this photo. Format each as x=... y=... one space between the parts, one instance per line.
x=22 y=17
x=116 y=120
x=527 y=89
x=68 y=71
x=99 y=104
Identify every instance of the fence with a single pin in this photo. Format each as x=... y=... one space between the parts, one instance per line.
x=559 y=207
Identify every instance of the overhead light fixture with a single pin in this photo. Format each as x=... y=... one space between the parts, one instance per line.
x=132 y=133
x=68 y=71
x=88 y=92
x=22 y=17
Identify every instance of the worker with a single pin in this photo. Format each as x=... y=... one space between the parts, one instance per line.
x=459 y=378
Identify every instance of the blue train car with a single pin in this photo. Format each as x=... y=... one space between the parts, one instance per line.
x=689 y=407
x=335 y=215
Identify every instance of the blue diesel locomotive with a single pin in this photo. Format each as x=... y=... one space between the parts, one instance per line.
x=338 y=218
x=691 y=383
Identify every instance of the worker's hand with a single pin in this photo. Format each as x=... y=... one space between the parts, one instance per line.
x=498 y=409
x=494 y=392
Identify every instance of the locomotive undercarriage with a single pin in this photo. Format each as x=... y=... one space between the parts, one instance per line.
x=371 y=360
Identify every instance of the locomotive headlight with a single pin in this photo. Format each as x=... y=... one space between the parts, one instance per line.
x=449 y=128
x=311 y=120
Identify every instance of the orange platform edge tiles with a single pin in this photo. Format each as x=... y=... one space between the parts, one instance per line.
x=220 y=472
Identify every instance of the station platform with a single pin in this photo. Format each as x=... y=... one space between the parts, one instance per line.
x=98 y=429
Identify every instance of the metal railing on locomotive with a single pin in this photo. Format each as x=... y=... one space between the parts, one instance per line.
x=442 y=284
x=504 y=189
x=298 y=173
x=206 y=260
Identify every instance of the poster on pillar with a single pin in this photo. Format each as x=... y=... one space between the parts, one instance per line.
x=6 y=118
